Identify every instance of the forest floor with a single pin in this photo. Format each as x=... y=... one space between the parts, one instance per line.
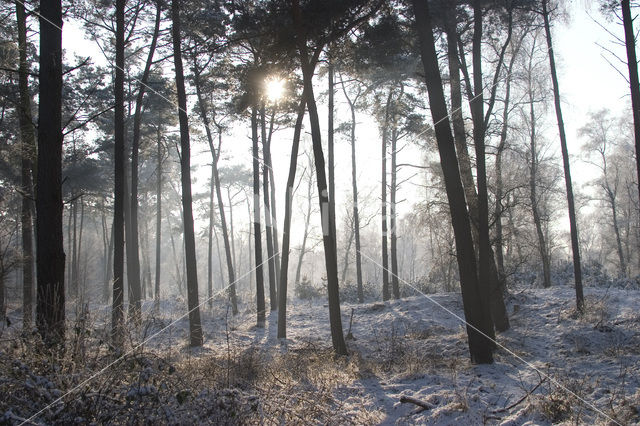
x=408 y=363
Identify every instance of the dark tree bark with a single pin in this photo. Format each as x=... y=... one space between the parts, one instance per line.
x=392 y=207
x=307 y=223
x=195 y=326
x=50 y=305
x=214 y=164
x=117 y=318
x=533 y=179
x=133 y=239
x=479 y=129
x=457 y=63
x=499 y=239
x=354 y=188
x=328 y=227
x=632 y=64
x=159 y=171
x=575 y=245
x=108 y=259
x=210 y=239
x=74 y=251
x=257 y=233
x=272 y=206
x=286 y=230
x=28 y=146
x=273 y=298
x=385 y=255
x=331 y=163
x=479 y=325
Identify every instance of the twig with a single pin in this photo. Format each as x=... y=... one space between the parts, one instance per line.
x=502 y=410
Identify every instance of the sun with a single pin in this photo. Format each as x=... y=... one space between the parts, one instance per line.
x=274 y=89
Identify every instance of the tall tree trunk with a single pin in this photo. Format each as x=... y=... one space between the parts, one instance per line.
x=257 y=233
x=28 y=147
x=232 y=234
x=109 y=259
x=354 y=188
x=479 y=324
x=329 y=237
x=392 y=214
x=632 y=64
x=133 y=239
x=50 y=304
x=347 y=253
x=273 y=298
x=74 y=252
x=80 y=289
x=499 y=182
x=195 y=326
x=328 y=224
x=457 y=63
x=223 y=221
x=178 y=259
x=331 y=164
x=616 y=230
x=286 y=230
x=307 y=221
x=210 y=239
x=477 y=110
x=385 y=256
x=577 y=269
x=272 y=193
x=159 y=171
x=533 y=177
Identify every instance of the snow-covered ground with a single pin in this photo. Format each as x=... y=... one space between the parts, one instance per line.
x=408 y=364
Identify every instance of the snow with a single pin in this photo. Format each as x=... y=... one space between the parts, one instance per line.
x=552 y=366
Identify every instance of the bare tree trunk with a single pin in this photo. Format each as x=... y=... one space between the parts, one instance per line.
x=50 y=312
x=284 y=267
x=347 y=252
x=632 y=64
x=273 y=297
x=159 y=171
x=195 y=326
x=133 y=238
x=117 y=320
x=28 y=144
x=257 y=233
x=331 y=163
x=354 y=188
x=272 y=193
x=109 y=260
x=307 y=221
x=80 y=289
x=232 y=234
x=499 y=182
x=575 y=245
x=457 y=63
x=328 y=220
x=385 y=256
x=394 y=188
x=178 y=259
x=210 y=240
x=616 y=230
x=533 y=167
x=477 y=314
x=74 y=251
x=214 y=164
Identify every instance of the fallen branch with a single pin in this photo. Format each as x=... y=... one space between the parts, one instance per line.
x=412 y=400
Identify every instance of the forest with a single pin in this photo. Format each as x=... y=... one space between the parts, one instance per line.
x=319 y=212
